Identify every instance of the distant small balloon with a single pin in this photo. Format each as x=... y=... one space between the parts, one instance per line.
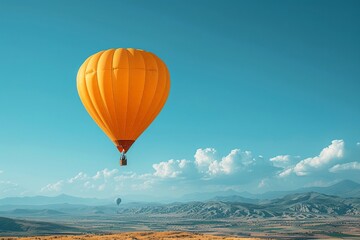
x=118 y=201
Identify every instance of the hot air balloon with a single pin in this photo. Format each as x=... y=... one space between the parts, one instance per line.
x=123 y=90
x=118 y=201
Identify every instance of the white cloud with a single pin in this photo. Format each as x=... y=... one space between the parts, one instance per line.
x=144 y=185
x=55 y=187
x=205 y=166
x=105 y=174
x=131 y=181
x=358 y=144
x=103 y=184
x=281 y=158
x=345 y=166
x=329 y=154
x=204 y=157
x=281 y=161
x=227 y=165
x=1 y=171
x=334 y=151
x=79 y=177
x=236 y=160
x=170 y=169
x=247 y=158
x=89 y=185
x=237 y=168
x=286 y=172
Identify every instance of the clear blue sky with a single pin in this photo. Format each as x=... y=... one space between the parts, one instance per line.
x=277 y=78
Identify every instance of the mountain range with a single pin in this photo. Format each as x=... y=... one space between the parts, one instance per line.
x=294 y=206
x=63 y=214
x=345 y=189
x=299 y=205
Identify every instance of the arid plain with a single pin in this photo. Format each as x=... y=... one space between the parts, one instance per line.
x=133 y=236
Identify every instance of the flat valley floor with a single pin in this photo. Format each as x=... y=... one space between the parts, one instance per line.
x=133 y=236
x=175 y=227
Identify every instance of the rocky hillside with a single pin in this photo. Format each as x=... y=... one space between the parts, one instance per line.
x=299 y=205
x=15 y=227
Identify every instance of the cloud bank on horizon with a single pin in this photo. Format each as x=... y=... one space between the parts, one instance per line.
x=238 y=170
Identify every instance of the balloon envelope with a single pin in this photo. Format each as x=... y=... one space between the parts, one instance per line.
x=123 y=90
x=118 y=201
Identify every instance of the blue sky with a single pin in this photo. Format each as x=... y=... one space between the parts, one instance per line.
x=264 y=96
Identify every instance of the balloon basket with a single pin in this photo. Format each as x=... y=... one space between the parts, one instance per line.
x=123 y=162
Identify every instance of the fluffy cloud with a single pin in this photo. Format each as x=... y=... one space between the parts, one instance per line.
x=333 y=152
x=283 y=161
x=237 y=166
x=345 y=166
x=286 y=172
x=53 y=187
x=207 y=169
x=236 y=160
x=204 y=157
x=103 y=183
x=280 y=158
x=105 y=174
x=80 y=176
x=170 y=169
x=227 y=165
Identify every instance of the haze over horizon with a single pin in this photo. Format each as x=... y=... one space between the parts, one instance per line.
x=264 y=97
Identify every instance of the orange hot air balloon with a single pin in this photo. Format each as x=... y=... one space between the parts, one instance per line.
x=123 y=90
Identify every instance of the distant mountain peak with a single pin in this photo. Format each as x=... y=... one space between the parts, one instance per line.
x=347 y=183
